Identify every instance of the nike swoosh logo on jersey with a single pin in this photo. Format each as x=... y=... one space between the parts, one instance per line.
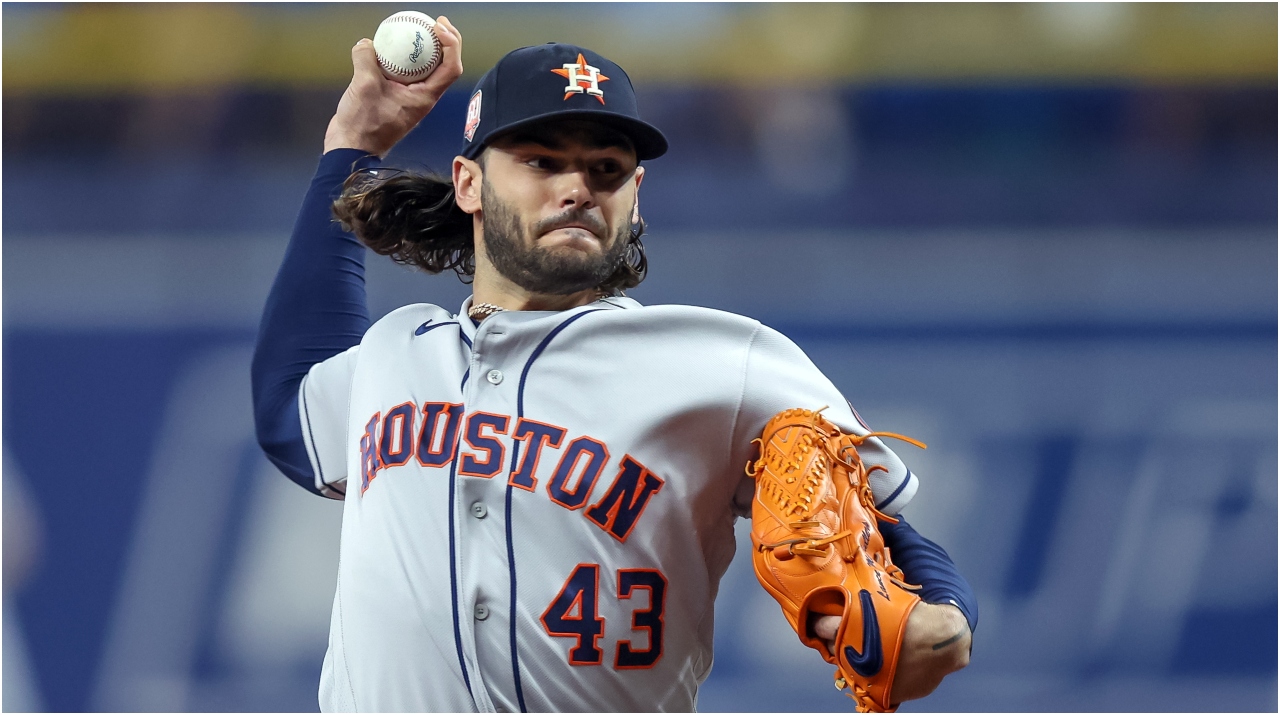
x=871 y=659
x=422 y=328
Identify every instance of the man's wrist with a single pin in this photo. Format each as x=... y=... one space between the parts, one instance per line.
x=359 y=158
x=341 y=135
x=347 y=141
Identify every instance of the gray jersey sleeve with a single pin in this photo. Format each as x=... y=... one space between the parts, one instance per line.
x=779 y=376
x=324 y=400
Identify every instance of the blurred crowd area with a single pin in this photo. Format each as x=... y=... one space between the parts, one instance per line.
x=1040 y=237
x=778 y=114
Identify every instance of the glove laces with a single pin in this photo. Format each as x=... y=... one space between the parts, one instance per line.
x=861 y=698
x=838 y=448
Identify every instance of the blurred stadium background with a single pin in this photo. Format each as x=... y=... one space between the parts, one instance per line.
x=1040 y=237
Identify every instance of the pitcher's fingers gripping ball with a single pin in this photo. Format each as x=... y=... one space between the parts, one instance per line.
x=407 y=47
x=817 y=550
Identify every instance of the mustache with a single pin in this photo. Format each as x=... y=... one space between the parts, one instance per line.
x=572 y=217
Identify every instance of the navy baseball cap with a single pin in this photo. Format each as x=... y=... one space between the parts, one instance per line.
x=532 y=84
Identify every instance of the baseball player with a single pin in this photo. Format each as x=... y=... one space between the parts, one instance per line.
x=540 y=488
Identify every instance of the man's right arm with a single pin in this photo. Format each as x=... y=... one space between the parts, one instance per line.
x=316 y=309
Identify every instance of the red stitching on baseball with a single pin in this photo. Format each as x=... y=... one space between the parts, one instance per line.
x=435 y=49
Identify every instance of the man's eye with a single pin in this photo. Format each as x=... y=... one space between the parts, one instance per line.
x=541 y=162
x=609 y=167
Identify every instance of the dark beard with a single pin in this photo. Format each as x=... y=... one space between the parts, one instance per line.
x=541 y=270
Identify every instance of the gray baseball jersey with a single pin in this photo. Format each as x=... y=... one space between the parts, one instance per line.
x=539 y=509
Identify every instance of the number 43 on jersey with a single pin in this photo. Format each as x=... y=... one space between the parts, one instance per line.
x=574 y=613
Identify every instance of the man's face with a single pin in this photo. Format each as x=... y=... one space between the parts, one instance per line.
x=558 y=204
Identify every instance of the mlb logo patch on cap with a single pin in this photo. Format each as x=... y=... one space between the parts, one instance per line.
x=473 y=115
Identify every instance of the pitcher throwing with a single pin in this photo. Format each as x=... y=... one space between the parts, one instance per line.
x=541 y=486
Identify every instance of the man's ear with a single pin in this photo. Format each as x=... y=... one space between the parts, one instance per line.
x=635 y=208
x=467 y=177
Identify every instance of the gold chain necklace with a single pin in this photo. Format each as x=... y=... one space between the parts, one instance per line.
x=484 y=310
x=480 y=311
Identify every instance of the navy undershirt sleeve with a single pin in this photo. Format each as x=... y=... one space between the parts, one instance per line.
x=928 y=564
x=316 y=309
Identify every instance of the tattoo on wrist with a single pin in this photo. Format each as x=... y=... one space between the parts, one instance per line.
x=959 y=634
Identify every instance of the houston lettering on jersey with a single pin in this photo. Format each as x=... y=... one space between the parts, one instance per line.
x=438 y=432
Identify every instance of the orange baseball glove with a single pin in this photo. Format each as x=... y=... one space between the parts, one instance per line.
x=818 y=550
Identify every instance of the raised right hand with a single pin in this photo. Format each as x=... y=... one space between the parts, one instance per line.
x=375 y=112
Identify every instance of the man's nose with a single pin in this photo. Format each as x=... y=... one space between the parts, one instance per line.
x=575 y=191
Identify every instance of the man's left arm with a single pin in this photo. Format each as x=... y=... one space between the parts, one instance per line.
x=938 y=636
x=939 y=633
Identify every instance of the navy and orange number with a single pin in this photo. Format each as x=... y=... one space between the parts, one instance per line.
x=574 y=613
x=648 y=619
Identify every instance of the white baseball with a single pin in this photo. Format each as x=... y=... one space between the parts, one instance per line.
x=407 y=47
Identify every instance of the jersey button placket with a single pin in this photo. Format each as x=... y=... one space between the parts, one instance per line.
x=486 y=574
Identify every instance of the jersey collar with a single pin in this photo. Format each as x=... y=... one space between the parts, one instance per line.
x=469 y=327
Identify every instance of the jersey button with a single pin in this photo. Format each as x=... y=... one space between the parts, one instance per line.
x=494 y=377
x=482 y=611
x=479 y=510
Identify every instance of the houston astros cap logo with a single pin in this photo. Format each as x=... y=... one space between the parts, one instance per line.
x=532 y=84
x=582 y=78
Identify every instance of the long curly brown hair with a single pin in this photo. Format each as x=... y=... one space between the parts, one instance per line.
x=412 y=218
